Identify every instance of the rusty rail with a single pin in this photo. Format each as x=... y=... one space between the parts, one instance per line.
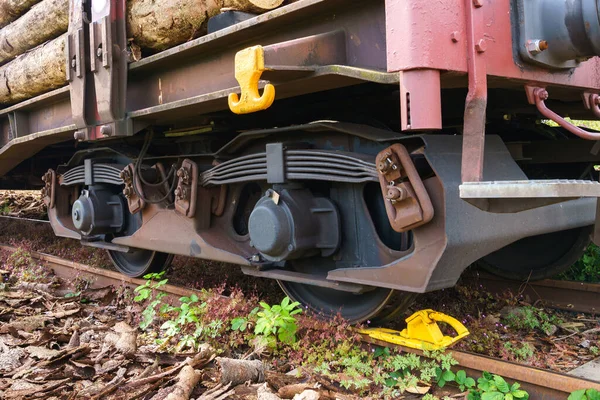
x=540 y=384
x=562 y=295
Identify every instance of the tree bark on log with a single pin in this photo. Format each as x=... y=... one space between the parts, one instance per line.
x=13 y=9
x=161 y=24
x=34 y=73
x=50 y=19
x=236 y=372
x=257 y=6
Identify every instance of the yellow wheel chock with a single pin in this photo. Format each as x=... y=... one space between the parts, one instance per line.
x=249 y=66
x=421 y=332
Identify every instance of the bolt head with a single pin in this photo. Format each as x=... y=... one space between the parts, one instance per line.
x=73 y=63
x=255 y=258
x=481 y=46
x=477 y=3
x=99 y=51
x=106 y=130
x=396 y=193
x=454 y=37
x=535 y=47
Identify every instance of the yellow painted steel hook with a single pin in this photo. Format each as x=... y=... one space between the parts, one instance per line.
x=421 y=332
x=249 y=66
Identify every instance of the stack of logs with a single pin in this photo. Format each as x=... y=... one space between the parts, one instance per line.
x=32 y=36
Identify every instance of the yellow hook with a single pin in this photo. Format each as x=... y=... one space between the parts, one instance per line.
x=249 y=66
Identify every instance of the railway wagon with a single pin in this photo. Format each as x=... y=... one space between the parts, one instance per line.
x=357 y=152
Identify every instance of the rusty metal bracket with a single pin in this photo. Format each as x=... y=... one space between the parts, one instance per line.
x=187 y=188
x=75 y=64
x=407 y=202
x=108 y=64
x=537 y=95
x=476 y=102
x=49 y=190
x=134 y=202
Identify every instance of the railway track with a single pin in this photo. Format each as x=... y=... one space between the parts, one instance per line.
x=541 y=384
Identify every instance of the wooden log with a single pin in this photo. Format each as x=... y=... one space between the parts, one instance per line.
x=10 y=10
x=152 y=24
x=46 y=20
x=236 y=372
x=161 y=24
x=257 y=6
x=33 y=73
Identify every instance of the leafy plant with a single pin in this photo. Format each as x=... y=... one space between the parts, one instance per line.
x=24 y=268
x=522 y=353
x=278 y=321
x=463 y=381
x=587 y=268
x=530 y=318
x=149 y=291
x=585 y=394
x=5 y=209
x=495 y=387
x=242 y=323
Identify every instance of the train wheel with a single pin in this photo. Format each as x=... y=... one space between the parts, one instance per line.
x=538 y=257
x=138 y=262
x=378 y=305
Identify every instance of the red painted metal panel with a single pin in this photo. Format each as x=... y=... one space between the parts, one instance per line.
x=433 y=35
x=420 y=87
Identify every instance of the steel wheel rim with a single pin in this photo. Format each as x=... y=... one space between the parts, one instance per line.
x=327 y=303
x=139 y=262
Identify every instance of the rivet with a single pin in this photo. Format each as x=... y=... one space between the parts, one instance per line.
x=454 y=36
x=478 y=3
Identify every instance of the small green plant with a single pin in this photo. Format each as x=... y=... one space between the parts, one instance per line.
x=463 y=381
x=585 y=394
x=188 y=316
x=587 y=268
x=149 y=291
x=523 y=353
x=530 y=318
x=594 y=350
x=242 y=323
x=278 y=321
x=24 y=268
x=495 y=387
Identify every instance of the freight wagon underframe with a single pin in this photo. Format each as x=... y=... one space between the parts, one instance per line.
x=438 y=75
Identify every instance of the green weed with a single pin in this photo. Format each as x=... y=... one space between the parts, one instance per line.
x=587 y=268
x=278 y=321
x=585 y=394
x=149 y=291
